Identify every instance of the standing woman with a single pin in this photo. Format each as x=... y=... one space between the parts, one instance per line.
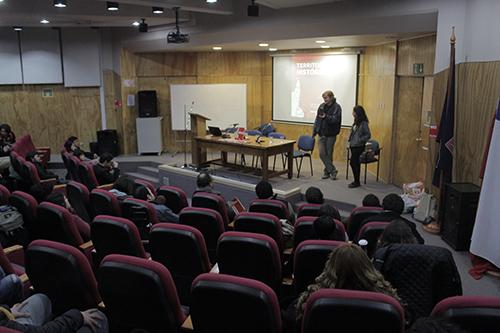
x=360 y=134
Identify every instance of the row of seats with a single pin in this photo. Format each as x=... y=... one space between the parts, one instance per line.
x=141 y=293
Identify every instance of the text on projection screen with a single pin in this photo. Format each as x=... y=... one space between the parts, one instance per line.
x=299 y=81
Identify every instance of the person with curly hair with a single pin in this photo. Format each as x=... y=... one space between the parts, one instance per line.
x=348 y=267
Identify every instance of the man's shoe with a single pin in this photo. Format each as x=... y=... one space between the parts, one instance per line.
x=333 y=175
x=325 y=176
x=354 y=185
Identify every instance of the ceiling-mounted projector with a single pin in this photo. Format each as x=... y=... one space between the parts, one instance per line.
x=176 y=36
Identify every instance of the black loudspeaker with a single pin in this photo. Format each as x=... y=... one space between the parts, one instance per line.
x=147 y=103
x=460 y=206
x=107 y=141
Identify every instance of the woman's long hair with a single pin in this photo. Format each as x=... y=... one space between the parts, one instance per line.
x=359 y=115
x=348 y=267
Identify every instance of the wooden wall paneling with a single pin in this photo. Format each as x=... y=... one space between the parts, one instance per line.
x=426 y=120
x=129 y=113
x=379 y=60
x=112 y=92
x=150 y=64
x=51 y=120
x=407 y=127
x=478 y=90
x=181 y=64
x=416 y=50
x=267 y=98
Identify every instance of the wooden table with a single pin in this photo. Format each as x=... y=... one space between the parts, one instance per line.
x=266 y=148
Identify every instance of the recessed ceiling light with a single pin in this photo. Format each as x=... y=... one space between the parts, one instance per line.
x=217 y=48
x=17 y=28
x=60 y=3
x=320 y=41
x=263 y=44
x=157 y=10
x=325 y=46
x=45 y=21
x=135 y=24
x=113 y=6
x=272 y=49
x=1 y=0
x=211 y=1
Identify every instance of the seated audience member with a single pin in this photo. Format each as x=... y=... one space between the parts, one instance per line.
x=106 y=169
x=164 y=213
x=397 y=232
x=393 y=206
x=60 y=199
x=34 y=315
x=325 y=228
x=35 y=158
x=123 y=187
x=72 y=145
x=434 y=325
x=7 y=139
x=327 y=209
x=264 y=190
x=11 y=288
x=204 y=183
x=371 y=200
x=41 y=191
x=314 y=195
x=348 y=267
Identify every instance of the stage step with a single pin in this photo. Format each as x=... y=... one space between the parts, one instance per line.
x=149 y=171
x=138 y=175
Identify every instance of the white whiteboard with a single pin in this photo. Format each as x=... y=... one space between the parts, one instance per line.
x=224 y=104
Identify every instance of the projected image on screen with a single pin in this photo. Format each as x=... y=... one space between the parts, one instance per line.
x=299 y=81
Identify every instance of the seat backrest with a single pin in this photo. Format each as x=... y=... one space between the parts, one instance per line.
x=375 y=146
x=358 y=215
x=304 y=230
x=476 y=314
x=211 y=201
x=4 y=195
x=27 y=206
x=78 y=197
x=371 y=232
x=253 y=132
x=260 y=223
x=55 y=223
x=16 y=160
x=243 y=305
x=250 y=255
x=87 y=175
x=208 y=222
x=276 y=135
x=115 y=235
x=309 y=261
x=308 y=209
x=306 y=143
x=271 y=206
x=360 y=311
x=73 y=166
x=23 y=145
x=422 y=274
x=176 y=198
x=63 y=273
x=104 y=203
x=141 y=212
x=29 y=173
x=8 y=330
x=139 y=293
x=180 y=248
x=146 y=184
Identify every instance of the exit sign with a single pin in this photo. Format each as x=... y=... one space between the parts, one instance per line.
x=418 y=69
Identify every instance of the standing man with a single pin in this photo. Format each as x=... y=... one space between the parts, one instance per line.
x=327 y=126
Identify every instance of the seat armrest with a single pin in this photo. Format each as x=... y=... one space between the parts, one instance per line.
x=86 y=246
x=187 y=325
x=24 y=278
x=45 y=152
x=15 y=254
x=51 y=181
x=106 y=187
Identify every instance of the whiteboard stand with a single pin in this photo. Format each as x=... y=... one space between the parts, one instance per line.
x=149 y=136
